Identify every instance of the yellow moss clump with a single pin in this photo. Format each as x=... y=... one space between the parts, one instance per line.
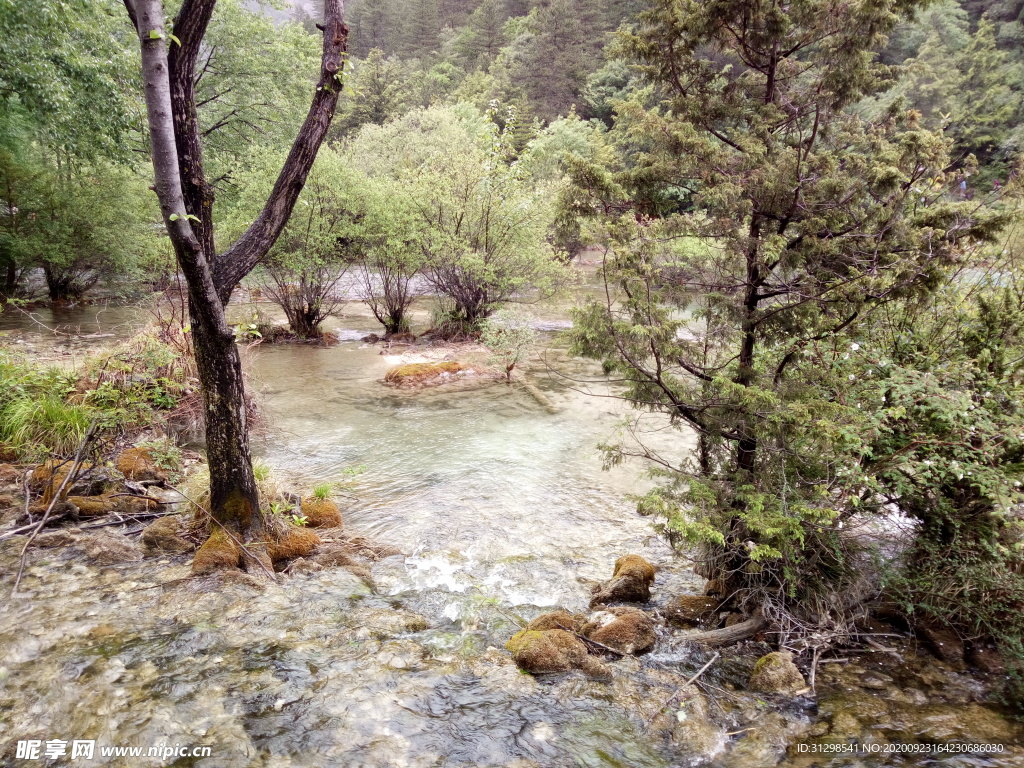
x=636 y=566
x=291 y=543
x=552 y=650
x=49 y=475
x=93 y=506
x=139 y=464
x=321 y=513
x=559 y=619
x=218 y=553
x=414 y=373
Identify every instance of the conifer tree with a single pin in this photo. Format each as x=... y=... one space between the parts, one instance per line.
x=764 y=222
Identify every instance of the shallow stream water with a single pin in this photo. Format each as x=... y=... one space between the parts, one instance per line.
x=502 y=511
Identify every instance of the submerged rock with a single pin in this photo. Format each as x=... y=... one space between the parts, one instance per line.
x=165 y=535
x=100 y=548
x=419 y=373
x=553 y=650
x=630 y=583
x=689 y=610
x=626 y=630
x=776 y=673
x=321 y=513
x=943 y=642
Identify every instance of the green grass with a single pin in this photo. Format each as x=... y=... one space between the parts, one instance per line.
x=322 y=492
x=45 y=423
x=46 y=411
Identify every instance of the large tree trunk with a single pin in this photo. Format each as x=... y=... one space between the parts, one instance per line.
x=238 y=533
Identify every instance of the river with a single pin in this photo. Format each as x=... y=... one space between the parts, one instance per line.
x=502 y=511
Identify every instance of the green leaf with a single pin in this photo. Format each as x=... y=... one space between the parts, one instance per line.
x=174 y=39
x=174 y=217
x=154 y=35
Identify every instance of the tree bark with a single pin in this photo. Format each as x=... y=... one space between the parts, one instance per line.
x=185 y=199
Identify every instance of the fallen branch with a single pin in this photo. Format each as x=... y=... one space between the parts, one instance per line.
x=26 y=528
x=729 y=635
x=79 y=454
x=127 y=520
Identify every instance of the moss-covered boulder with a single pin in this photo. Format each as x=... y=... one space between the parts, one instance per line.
x=553 y=650
x=630 y=583
x=291 y=543
x=626 y=630
x=691 y=610
x=776 y=673
x=219 y=552
x=139 y=464
x=321 y=513
x=559 y=619
x=166 y=535
x=422 y=373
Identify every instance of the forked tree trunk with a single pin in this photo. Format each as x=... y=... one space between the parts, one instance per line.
x=238 y=534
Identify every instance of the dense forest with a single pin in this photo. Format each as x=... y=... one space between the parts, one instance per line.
x=803 y=220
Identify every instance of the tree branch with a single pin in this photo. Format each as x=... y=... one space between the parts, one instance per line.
x=238 y=260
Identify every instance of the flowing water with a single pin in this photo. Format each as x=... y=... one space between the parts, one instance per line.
x=502 y=511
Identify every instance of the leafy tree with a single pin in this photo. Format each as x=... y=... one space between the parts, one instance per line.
x=241 y=533
x=765 y=225
x=385 y=243
x=379 y=90
x=302 y=270
x=483 y=219
x=70 y=64
x=509 y=335
x=81 y=223
x=252 y=87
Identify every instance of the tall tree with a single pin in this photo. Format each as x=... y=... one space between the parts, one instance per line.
x=186 y=202
x=764 y=223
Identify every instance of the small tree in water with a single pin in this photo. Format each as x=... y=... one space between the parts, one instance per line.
x=509 y=335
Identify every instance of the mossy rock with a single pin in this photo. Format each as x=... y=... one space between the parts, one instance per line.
x=776 y=673
x=49 y=476
x=219 y=552
x=321 y=513
x=139 y=464
x=95 y=506
x=553 y=650
x=557 y=620
x=293 y=542
x=630 y=583
x=626 y=630
x=689 y=610
x=417 y=373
